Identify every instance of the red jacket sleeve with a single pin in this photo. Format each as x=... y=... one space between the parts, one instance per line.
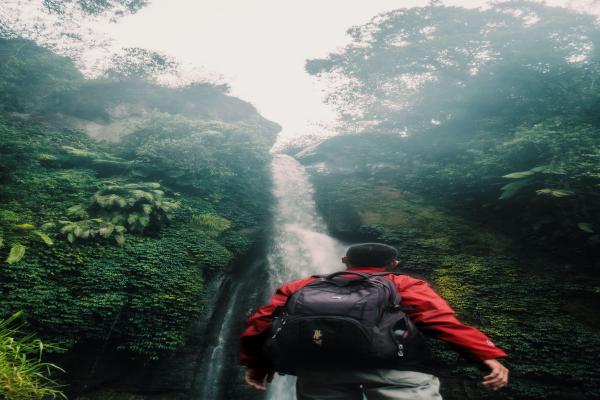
x=258 y=325
x=432 y=314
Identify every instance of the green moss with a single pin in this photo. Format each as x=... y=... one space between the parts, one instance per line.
x=452 y=289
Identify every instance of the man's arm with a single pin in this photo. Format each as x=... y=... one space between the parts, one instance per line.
x=258 y=369
x=432 y=314
x=258 y=325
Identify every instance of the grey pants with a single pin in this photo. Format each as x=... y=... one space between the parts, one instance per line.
x=374 y=384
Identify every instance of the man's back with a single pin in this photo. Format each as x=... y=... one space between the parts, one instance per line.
x=427 y=310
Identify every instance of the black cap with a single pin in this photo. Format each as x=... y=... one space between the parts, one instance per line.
x=371 y=254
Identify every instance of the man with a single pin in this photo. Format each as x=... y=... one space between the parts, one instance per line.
x=427 y=310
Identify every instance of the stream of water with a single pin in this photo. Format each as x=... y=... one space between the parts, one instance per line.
x=298 y=247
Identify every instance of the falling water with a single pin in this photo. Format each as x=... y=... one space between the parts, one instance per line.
x=300 y=247
x=218 y=373
x=213 y=375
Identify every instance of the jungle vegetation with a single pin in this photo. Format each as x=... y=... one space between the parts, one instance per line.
x=469 y=140
x=121 y=200
x=494 y=113
x=472 y=143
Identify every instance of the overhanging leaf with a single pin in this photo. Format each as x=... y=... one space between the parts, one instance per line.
x=120 y=239
x=519 y=175
x=17 y=251
x=25 y=227
x=511 y=189
x=45 y=238
x=554 y=192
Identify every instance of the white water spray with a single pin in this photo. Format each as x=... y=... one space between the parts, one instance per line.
x=300 y=246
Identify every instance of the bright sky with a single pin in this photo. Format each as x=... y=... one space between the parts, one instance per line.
x=259 y=47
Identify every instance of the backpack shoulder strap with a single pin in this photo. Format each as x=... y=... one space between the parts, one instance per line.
x=387 y=273
x=396 y=298
x=360 y=275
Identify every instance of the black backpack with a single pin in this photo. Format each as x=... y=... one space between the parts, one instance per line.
x=340 y=321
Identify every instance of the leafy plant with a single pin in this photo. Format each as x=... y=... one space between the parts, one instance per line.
x=17 y=251
x=90 y=228
x=118 y=208
x=211 y=223
x=19 y=233
x=23 y=374
x=136 y=206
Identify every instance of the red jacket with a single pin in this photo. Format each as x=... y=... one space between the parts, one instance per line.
x=428 y=311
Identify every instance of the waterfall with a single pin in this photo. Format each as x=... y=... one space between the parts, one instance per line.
x=214 y=373
x=299 y=246
x=218 y=373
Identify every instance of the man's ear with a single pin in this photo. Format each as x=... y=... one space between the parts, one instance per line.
x=393 y=264
x=345 y=260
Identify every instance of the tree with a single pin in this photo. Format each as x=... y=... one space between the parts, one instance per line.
x=62 y=25
x=411 y=70
x=498 y=110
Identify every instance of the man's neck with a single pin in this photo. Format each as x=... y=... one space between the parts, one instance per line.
x=365 y=267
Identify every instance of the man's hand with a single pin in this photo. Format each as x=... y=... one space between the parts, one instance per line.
x=498 y=376
x=256 y=377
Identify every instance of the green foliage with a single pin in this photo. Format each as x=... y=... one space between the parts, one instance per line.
x=455 y=108
x=414 y=70
x=14 y=233
x=32 y=79
x=23 y=374
x=118 y=208
x=79 y=153
x=88 y=229
x=142 y=296
x=456 y=101
x=505 y=293
x=137 y=206
x=510 y=189
x=17 y=251
x=210 y=223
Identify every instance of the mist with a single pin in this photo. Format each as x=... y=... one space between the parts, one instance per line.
x=166 y=166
